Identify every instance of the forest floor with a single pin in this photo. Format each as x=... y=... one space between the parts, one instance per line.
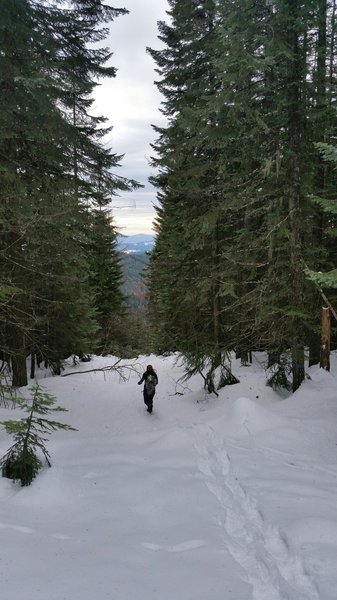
x=208 y=498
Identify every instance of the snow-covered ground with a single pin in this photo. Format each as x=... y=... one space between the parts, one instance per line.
x=228 y=498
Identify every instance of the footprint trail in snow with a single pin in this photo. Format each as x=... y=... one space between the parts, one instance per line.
x=269 y=566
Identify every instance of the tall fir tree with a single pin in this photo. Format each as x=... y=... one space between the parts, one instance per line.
x=248 y=91
x=55 y=168
x=106 y=278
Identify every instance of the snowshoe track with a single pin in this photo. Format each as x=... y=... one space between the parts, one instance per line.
x=273 y=571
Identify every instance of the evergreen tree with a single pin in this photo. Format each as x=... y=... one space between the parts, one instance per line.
x=54 y=169
x=22 y=461
x=248 y=91
x=106 y=280
x=188 y=222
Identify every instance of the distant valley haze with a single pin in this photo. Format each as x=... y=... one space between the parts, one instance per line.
x=141 y=242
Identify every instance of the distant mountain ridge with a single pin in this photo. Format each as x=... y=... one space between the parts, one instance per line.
x=134 y=253
x=140 y=242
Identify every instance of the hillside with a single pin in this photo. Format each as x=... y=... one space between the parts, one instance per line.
x=134 y=287
x=134 y=253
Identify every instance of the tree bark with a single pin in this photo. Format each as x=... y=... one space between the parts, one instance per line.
x=314 y=350
x=32 y=365
x=295 y=134
x=18 y=357
x=325 y=339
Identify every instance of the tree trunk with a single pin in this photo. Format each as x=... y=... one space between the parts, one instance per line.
x=215 y=293
x=325 y=339
x=332 y=49
x=295 y=134
x=320 y=104
x=32 y=365
x=18 y=357
x=314 y=350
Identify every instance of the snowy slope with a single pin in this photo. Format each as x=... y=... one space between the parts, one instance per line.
x=229 y=498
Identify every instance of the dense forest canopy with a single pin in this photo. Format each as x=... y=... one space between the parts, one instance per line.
x=60 y=289
x=246 y=179
x=246 y=222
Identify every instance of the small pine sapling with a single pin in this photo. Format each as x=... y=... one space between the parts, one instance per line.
x=21 y=461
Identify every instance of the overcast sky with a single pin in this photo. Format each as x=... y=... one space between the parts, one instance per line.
x=131 y=101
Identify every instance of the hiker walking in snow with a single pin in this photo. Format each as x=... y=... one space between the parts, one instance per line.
x=150 y=379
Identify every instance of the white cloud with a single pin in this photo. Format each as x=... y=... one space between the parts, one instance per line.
x=131 y=102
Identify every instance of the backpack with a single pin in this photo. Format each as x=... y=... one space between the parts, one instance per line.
x=150 y=384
